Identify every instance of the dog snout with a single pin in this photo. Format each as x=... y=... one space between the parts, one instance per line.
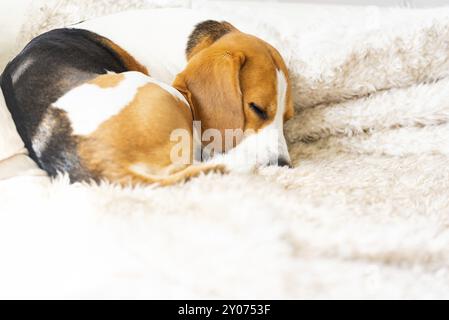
x=281 y=162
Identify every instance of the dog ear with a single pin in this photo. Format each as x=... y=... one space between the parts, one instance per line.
x=205 y=34
x=211 y=84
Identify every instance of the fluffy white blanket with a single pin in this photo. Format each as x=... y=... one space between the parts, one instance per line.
x=364 y=214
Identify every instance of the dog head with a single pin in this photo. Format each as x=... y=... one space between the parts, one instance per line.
x=235 y=81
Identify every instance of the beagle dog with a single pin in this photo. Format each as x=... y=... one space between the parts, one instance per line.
x=86 y=107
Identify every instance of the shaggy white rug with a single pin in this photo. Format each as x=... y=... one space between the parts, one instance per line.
x=365 y=213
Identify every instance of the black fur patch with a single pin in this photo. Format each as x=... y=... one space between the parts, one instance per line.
x=48 y=67
x=210 y=28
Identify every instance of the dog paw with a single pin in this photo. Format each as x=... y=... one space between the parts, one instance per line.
x=216 y=168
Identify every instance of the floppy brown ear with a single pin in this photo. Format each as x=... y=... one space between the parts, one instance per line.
x=211 y=84
x=205 y=34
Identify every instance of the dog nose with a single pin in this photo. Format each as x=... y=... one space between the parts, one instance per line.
x=282 y=162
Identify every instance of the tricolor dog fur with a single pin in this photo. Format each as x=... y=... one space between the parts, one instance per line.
x=85 y=107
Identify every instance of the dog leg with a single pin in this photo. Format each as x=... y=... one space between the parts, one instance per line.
x=181 y=175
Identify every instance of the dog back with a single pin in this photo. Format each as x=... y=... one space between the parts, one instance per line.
x=47 y=68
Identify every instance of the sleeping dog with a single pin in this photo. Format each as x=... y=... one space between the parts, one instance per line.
x=86 y=107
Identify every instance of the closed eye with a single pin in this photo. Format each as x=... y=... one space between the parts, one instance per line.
x=259 y=111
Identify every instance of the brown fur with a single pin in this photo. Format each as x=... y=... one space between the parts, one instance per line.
x=134 y=146
x=128 y=61
x=107 y=81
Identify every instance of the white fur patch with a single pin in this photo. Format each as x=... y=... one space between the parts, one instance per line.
x=278 y=123
x=43 y=133
x=21 y=69
x=89 y=105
